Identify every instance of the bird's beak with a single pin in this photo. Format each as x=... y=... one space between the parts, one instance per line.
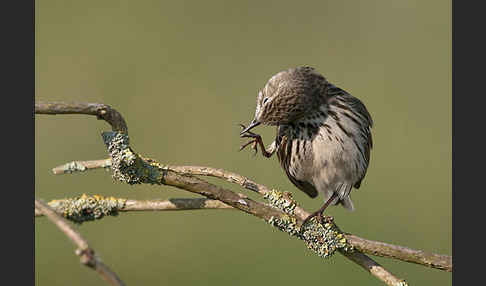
x=254 y=123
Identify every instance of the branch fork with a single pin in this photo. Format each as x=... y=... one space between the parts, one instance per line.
x=323 y=237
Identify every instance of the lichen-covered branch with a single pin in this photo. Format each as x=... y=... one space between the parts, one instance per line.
x=437 y=261
x=81 y=166
x=89 y=208
x=86 y=208
x=86 y=253
x=323 y=238
x=127 y=166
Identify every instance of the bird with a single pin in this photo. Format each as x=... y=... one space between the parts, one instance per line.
x=323 y=139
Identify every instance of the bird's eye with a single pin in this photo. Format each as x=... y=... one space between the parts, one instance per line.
x=265 y=100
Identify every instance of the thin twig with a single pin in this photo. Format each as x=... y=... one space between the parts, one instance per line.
x=432 y=260
x=175 y=205
x=374 y=268
x=81 y=166
x=178 y=204
x=86 y=254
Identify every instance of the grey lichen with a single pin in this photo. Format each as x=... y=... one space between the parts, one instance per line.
x=74 y=167
x=126 y=165
x=122 y=158
x=322 y=237
x=88 y=208
x=286 y=223
x=281 y=201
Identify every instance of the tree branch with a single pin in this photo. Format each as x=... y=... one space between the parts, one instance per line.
x=437 y=261
x=86 y=254
x=81 y=166
x=86 y=208
x=322 y=237
x=101 y=111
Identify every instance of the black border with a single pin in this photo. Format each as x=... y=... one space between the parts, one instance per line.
x=19 y=79
x=468 y=61
x=18 y=82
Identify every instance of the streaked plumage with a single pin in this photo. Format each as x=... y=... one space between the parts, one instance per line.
x=323 y=137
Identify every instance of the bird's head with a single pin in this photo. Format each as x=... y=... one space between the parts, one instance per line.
x=288 y=96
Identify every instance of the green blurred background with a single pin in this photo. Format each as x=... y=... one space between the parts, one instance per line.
x=184 y=73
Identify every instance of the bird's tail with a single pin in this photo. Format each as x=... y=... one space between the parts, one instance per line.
x=347 y=203
x=343 y=191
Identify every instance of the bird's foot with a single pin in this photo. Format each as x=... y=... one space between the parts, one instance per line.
x=317 y=214
x=320 y=211
x=256 y=140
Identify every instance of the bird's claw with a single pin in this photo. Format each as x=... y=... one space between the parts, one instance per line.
x=317 y=215
x=254 y=145
x=254 y=141
x=248 y=134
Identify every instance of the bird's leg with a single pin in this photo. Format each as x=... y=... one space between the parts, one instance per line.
x=256 y=141
x=319 y=212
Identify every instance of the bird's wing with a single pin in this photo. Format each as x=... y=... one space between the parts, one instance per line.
x=284 y=154
x=339 y=98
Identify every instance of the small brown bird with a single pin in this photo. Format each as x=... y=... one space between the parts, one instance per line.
x=323 y=137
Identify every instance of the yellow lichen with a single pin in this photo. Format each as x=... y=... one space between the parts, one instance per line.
x=323 y=238
x=87 y=208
